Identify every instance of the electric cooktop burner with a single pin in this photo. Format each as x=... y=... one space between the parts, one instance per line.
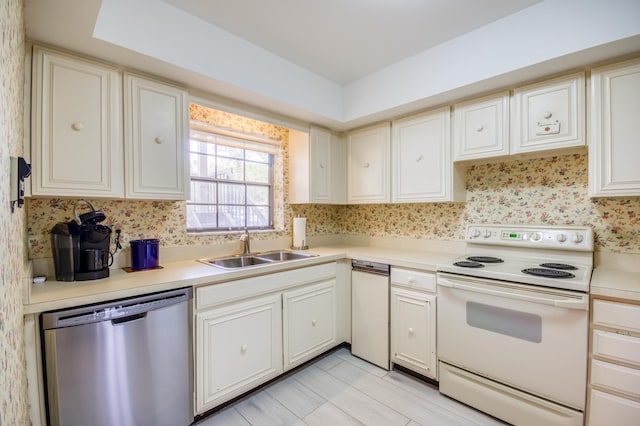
x=548 y=273
x=562 y=266
x=485 y=259
x=468 y=264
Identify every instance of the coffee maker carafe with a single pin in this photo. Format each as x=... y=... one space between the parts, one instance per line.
x=81 y=247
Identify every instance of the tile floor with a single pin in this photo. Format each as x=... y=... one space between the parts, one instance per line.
x=341 y=389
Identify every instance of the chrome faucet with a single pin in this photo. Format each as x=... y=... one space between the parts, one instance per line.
x=246 y=242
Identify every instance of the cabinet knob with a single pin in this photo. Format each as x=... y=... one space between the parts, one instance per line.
x=322 y=165
x=158 y=140
x=243 y=348
x=77 y=126
x=419 y=158
x=313 y=322
x=366 y=165
x=410 y=331
x=547 y=115
x=481 y=128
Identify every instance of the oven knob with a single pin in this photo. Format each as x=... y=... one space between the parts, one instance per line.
x=561 y=237
x=576 y=238
x=487 y=233
x=475 y=233
x=536 y=236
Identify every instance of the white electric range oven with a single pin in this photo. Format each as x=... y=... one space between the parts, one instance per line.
x=513 y=322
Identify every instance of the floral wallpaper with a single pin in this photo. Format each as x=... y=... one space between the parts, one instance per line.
x=549 y=191
x=543 y=190
x=14 y=407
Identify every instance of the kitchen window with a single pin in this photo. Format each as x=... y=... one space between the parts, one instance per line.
x=231 y=180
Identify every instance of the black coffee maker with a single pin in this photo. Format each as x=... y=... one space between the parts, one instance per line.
x=81 y=247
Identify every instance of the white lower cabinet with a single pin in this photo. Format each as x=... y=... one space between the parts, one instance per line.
x=241 y=325
x=614 y=378
x=413 y=321
x=238 y=347
x=309 y=322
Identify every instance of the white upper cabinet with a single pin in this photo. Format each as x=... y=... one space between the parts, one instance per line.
x=369 y=160
x=422 y=170
x=156 y=134
x=614 y=148
x=76 y=145
x=481 y=128
x=318 y=167
x=549 y=115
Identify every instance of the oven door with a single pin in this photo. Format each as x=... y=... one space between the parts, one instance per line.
x=527 y=337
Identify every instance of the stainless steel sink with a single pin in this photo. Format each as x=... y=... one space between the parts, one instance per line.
x=284 y=255
x=237 y=262
x=247 y=261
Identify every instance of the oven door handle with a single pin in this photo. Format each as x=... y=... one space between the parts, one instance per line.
x=581 y=303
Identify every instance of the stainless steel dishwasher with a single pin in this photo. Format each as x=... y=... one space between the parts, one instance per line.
x=127 y=362
x=370 y=312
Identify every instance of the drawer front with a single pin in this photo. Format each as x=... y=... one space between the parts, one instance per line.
x=606 y=409
x=616 y=315
x=616 y=377
x=617 y=347
x=414 y=279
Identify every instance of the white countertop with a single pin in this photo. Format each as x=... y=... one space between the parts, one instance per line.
x=615 y=275
x=609 y=281
x=52 y=295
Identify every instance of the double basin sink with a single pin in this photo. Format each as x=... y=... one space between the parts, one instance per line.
x=248 y=260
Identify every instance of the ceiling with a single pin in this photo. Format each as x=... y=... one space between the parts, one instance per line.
x=344 y=40
x=340 y=64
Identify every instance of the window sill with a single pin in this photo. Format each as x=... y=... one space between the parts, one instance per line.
x=234 y=232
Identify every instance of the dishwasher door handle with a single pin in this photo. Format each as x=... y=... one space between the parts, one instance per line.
x=128 y=319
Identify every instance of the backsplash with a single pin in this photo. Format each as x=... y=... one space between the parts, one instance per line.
x=540 y=191
x=549 y=191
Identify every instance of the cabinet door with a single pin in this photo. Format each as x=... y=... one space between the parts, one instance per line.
x=369 y=152
x=481 y=128
x=614 y=149
x=317 y=167
x=421 y=152
x=413 y=331
x=238 y=346
x=320 y=165
x=156 y=140
x=309 y=320
x=76 y=129
x=549 y=115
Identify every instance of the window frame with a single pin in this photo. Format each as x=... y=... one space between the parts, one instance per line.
x=246 y=143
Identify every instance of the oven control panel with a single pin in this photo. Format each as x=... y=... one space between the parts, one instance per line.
x=578 y=238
